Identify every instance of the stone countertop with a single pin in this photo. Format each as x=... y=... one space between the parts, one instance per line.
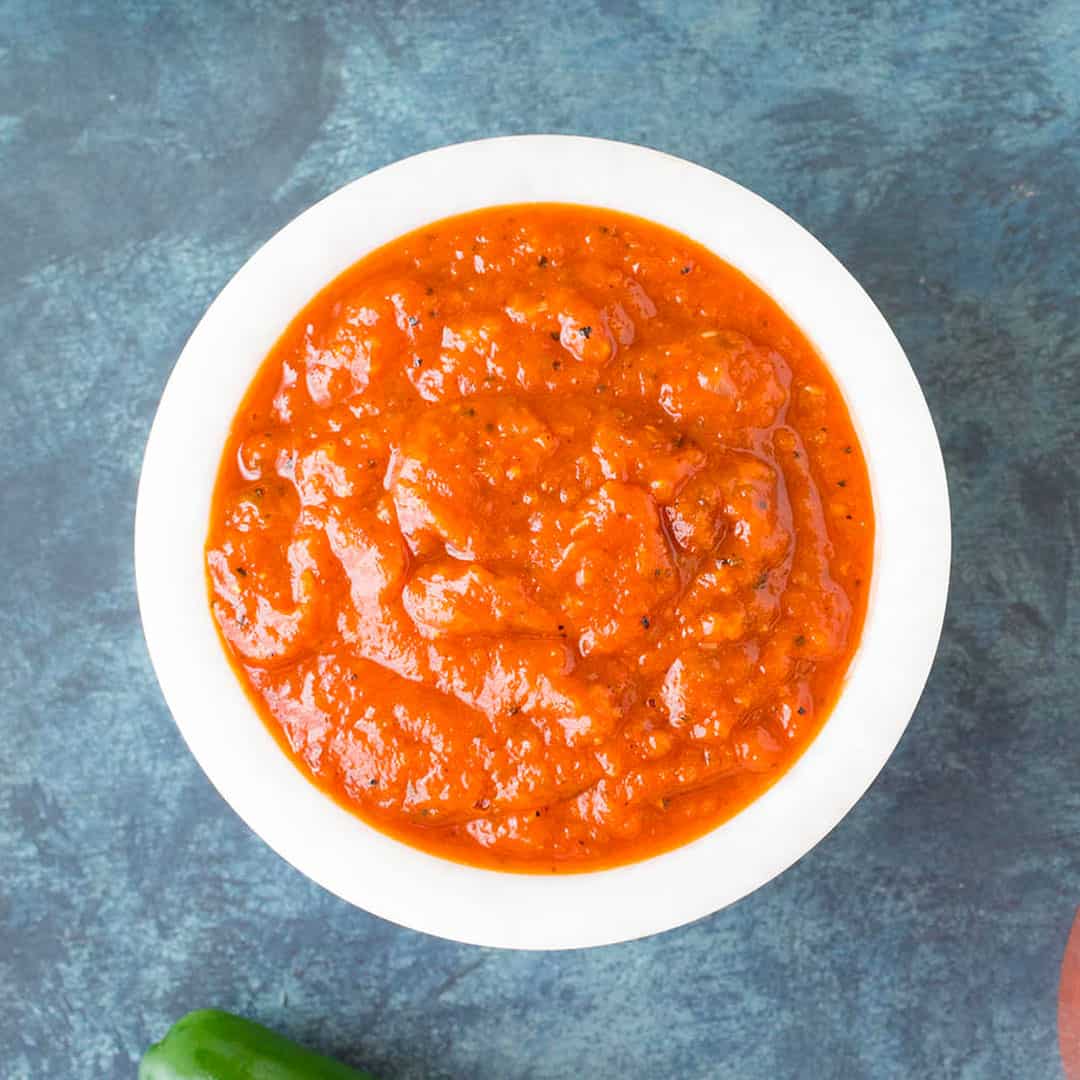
x=146 y=149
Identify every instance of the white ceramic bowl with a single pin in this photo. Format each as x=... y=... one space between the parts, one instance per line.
x=336 y=849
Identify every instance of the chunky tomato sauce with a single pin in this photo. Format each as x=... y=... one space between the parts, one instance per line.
x=542 y=539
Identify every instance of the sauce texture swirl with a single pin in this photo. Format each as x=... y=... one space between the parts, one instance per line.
x=542 y=539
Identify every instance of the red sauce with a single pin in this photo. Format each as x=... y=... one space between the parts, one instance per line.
x=542 y=539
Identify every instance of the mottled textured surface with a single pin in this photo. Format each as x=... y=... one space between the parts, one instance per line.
x=146 y=151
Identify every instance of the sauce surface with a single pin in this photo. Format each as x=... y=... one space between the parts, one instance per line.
x=542 y=539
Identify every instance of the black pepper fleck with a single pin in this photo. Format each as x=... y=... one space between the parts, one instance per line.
x=585 y=331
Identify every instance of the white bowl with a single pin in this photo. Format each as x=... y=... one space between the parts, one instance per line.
x=397 y=882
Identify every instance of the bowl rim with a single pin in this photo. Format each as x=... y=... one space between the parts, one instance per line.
x=336 y=849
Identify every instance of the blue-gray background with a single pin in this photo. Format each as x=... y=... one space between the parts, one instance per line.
x=147 y=149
